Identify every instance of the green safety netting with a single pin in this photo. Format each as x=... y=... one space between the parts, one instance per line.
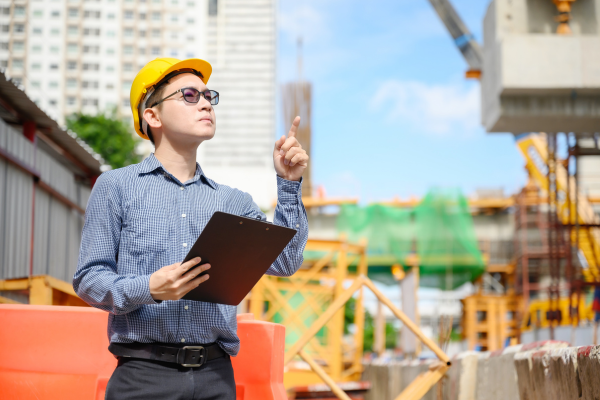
x=439 y=230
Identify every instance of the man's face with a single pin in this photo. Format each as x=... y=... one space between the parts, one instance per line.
x=186 y=122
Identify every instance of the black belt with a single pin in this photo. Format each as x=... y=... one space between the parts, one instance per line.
x=187 y=356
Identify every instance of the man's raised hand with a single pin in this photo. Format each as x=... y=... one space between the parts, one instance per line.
x=170 y=283
x=289 y=158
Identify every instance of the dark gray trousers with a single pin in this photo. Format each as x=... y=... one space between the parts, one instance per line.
x=137 y=379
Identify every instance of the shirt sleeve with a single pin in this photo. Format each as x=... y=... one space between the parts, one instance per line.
x=96 y=279
x=290 y=213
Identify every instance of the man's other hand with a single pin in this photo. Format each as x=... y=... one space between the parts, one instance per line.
x=170 y=283
x=289 y=158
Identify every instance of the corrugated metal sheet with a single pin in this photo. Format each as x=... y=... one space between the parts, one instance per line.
x=57 y=228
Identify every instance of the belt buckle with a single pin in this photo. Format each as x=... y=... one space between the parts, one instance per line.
x=202 y=355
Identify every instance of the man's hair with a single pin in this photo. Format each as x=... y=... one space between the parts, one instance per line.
x=159 y=91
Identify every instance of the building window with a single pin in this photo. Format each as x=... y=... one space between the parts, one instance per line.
x=5 y=10
x=91 y=32
x=17 y=46
x=19 y=11
x=89 y=84
x=110 y=51
x=128 y=14
x=213 y=7
x=55 y=14
x=17 y=64
x=126 y=85
x=71 y=65
x=155 y=16
x=94 y=49
x=190 y=38
x=110 y=68
x=73 y=30
x=72 y=48
x=174 y=18
x=71 y=101
x=53 y=84
x=55 y=31
x=127 y=50
x=89 y=102
x=155 y=51
x=52 y=102
x=157 y=1
x=38 y=13
x=173 y=53
x=35 y=84
x=110 y=86
x=54 y=49
x=19 y=28
x=4 y=28
x=111 y=16
x=142 y=51
x=142 y=33
x=110 y=33
x=36 y=66
x=37 y=31
x=128 y=32
x=91 y=67
x=142 y=16
x=73 y=13
x=3 y=63
x=190 y=20
x=91 y=14
x=36 y=49
x=155 y=33
x=71 y=83
x=54 y=67
x=126 y=102
x=4 y=46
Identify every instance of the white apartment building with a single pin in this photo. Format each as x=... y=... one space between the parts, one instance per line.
x=82 y=55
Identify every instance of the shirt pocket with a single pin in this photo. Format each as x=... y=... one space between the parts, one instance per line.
x=147 y=231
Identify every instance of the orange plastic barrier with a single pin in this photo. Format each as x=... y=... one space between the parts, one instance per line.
x=54 y=352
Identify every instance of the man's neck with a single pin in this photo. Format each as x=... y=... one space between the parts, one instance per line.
x=181 y=163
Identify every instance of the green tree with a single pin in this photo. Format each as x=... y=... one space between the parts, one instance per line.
x=369 y=332
x=108 y=136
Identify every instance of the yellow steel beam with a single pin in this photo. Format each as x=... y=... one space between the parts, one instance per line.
x=6 y=300
x=323 y=375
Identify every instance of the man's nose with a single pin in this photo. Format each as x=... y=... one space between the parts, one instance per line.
x=204 y=105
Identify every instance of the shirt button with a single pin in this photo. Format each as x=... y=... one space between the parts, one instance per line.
x=182 y=188
x=182 y=215
x=185 y=245
x=297 y=225
x=186 y=307
x=182 y=340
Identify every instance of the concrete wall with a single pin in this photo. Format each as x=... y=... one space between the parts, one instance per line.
x=545 y=370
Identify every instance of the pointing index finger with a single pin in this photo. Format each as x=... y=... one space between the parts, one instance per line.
x=294 y=127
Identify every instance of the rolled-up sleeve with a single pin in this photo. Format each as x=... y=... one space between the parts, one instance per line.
x=290 y=212
x=96 y=279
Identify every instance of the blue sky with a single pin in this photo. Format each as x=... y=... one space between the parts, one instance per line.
x=393 y=114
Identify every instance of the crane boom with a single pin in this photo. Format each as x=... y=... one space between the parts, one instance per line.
x=463 y=38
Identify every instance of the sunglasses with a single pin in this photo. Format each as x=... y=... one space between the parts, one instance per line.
x=192 y=96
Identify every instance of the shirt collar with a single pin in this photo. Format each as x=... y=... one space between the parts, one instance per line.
x=151 y=163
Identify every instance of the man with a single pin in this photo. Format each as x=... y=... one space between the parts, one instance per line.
x=141 y=221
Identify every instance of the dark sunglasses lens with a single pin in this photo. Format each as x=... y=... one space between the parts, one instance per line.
x=191 y=95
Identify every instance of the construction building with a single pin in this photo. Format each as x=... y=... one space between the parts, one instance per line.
x=81 y=56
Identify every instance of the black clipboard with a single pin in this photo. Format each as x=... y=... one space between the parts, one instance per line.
x=239 y=250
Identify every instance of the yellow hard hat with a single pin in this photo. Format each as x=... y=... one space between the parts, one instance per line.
x=152 y=73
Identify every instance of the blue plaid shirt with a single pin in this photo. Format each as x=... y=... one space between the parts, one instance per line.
x=141 y=218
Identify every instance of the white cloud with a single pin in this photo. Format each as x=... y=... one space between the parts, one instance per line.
x=433 y=108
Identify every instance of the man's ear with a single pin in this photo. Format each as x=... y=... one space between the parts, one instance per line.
x=152 y=118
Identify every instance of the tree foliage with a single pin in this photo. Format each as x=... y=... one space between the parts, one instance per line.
x=369 y=332
x=108 y=136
